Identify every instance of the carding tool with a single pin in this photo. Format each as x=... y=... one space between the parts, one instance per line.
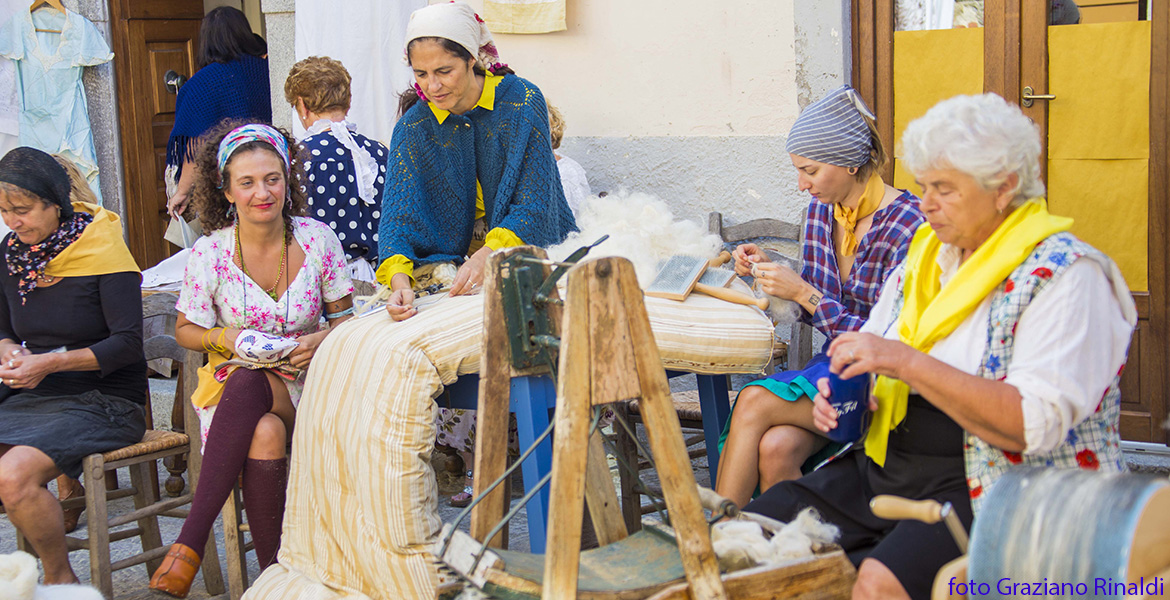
x=678 y=275
x=732 y=296
x=717 y=277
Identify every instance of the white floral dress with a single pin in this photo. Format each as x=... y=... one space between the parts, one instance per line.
x=216 y=293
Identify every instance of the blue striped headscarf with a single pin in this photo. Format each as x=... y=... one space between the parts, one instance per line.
x=833 y=131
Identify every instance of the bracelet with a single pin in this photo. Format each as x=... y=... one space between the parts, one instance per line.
x=339 y=314
x=221 y=347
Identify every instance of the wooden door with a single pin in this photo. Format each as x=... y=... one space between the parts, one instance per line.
x=151 y=37
x=1014 y=54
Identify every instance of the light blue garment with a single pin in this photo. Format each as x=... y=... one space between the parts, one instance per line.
x=53 y=112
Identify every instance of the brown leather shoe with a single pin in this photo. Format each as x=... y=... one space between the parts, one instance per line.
x=177 y=571
x=68 y=488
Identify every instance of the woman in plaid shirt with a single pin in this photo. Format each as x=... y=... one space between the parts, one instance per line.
x=858 y=230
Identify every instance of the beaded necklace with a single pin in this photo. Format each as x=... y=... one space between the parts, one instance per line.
x=283 y=261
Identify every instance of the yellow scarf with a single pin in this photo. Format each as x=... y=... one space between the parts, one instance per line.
x=931 y=312
x=847 y=218
x=99 y=251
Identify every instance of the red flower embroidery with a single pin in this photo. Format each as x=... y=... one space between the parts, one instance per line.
x=1043 y=273
x=1087 y=459
x=1011 y=285
x=976 y=491
x=1013 y=457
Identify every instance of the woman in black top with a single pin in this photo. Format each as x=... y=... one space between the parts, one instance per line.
x=72 y=371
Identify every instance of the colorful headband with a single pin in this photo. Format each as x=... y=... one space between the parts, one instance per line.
x=254 y=132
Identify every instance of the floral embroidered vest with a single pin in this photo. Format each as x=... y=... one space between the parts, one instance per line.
x=1093 y=444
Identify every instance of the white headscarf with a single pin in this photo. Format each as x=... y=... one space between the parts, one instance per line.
x=455 y=21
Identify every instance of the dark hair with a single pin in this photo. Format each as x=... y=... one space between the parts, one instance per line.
x=225 y=35
x=409 y=97
x=209 y=197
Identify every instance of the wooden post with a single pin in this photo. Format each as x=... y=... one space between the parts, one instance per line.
x=607 y=355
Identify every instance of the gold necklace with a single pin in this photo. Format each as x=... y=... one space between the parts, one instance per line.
x=283 y=261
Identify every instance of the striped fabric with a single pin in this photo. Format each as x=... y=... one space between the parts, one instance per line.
x=362 y=501
x=832 y=130
x=846 y=305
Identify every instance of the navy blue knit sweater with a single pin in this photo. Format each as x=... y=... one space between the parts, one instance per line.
x=235 y=90
x=428 y=206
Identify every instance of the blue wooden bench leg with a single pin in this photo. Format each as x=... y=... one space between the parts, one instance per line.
x=532 y=397
x=716 y=409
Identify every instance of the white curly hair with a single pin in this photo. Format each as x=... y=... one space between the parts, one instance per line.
x=983 y=136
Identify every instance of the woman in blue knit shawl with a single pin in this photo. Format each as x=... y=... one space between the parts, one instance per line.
x=231 y=83
x=471 y=168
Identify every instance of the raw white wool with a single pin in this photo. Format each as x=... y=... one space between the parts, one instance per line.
x=18 y=576
x=641 y=228
x=741 y=544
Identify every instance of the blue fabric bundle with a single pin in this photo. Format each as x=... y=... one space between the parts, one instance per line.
x=832 y=130
x=234 y=90
x=428 y=206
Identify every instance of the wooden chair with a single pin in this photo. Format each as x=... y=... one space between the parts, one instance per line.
x=783 y=239
x=141 y=459
x=235 y=545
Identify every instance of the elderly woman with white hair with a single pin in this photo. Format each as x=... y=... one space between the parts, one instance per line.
x=999 y=342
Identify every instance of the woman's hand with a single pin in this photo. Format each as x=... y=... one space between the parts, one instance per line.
x=307 y=346
x=824 y=415
x=854 y=354
x=26 y=371
x=780 y=281
x=745 y=256
x=401 y=304
x=470 y=274
x=177 y=204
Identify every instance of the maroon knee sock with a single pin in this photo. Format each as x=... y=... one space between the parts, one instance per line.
x=246 y=398
x=264 y=488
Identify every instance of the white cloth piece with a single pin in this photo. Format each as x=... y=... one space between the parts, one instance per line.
x=455 y=21
x=575 y=182
x=361 y=270
x=9 y=99
x=168 y=273
x=1089 y=306
x=364 y=165
x=367 y=37
x=263 y=348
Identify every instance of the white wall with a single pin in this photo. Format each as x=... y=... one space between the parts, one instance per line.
x=665 y=67
x=690 y=100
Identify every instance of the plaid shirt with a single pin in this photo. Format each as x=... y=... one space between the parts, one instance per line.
x=845 y=308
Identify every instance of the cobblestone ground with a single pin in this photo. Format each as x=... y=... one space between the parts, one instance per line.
x=131 y=584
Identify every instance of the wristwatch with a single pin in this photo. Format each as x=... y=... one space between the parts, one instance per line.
x=814 y=299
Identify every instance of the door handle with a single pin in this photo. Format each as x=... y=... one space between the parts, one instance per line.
x=173 y=81
x=1028 y=96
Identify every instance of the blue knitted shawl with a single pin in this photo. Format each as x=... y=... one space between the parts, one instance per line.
x=234 y=90
x=428 y=206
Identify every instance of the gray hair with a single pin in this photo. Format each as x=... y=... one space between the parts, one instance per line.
x=983 y=136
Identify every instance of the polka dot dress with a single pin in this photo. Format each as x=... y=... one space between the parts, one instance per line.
x=333 y=194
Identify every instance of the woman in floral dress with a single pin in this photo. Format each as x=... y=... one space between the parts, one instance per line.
x=253 y=296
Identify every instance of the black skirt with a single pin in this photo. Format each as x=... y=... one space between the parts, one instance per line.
x=69 y=428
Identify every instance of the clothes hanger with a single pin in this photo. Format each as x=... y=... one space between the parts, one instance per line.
x=50 y=4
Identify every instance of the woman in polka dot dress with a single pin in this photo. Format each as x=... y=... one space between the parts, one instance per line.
x=345 y=170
